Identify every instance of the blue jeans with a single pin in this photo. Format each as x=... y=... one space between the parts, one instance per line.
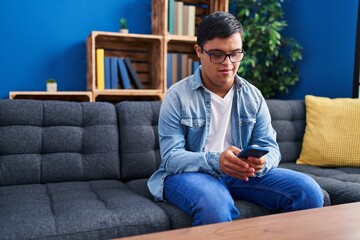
x=211 y=200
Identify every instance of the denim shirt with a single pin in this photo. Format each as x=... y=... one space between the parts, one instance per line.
x=184 y=123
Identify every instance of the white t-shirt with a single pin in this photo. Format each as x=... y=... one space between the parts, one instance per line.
x=219 y=137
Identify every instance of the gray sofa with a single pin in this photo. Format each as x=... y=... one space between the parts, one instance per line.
x=73 y=170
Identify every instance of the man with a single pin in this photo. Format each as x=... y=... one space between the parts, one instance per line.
x=205 y=120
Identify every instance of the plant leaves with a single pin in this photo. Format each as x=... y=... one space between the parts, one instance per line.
x=270 y=61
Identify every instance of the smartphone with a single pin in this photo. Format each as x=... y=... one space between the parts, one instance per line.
x=253 y=151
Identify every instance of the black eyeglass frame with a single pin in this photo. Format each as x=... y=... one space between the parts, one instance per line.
x=225 y=56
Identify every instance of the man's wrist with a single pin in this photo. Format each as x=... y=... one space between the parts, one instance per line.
x=213 y=161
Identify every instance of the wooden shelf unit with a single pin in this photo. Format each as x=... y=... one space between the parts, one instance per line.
x=159 y=19
x=59 y=95
x=148 y=53
x=145 y=52
x=181 y=43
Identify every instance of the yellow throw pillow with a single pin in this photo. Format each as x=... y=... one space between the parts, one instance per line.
x=332 y=133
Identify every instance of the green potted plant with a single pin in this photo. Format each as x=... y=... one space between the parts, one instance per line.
x=123 y=26
x=51 y=85
x=270 y=61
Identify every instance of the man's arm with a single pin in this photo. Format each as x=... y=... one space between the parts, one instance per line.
x=264 y=135
x=176 y=158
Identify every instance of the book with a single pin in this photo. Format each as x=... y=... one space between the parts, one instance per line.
x=183 y=65
x=189 y=66
x=114 y=79
x=169 y=70
x=107 y=73
x=134 y=78
x=185 y=23
x=174 y=68
x=195 y=66
x=179 y=66
x=178 y=13
x=100 y=72
x=171 y=16
x=123 y=73
x=191 y=21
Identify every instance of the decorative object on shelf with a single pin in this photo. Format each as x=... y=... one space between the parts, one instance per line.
x=51 y=85
x=270 y=61
x=123 y=26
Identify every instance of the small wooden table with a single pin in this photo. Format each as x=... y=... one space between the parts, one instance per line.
x=340 y=222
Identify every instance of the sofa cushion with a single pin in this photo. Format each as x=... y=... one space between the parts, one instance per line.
x=140 y=187
x=54 y=141
x=177 y=217
x=332 y=132
x=180 y=219
x=288 y=120
x=139 y=144
x=98 y=209
x=342 y=184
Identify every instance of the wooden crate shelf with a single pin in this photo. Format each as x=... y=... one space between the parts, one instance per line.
x=180 y=44
x=145 y=52
x=148 y=55
x=159 y=21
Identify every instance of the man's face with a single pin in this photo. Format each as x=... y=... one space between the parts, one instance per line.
x=219 y=77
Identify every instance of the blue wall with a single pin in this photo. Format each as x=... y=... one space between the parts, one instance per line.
x=46 y=38
x=327 y=32
x=43 y=39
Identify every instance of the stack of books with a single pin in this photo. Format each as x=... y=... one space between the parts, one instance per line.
x=115 y=73
x=179 y=66
x=181 y=18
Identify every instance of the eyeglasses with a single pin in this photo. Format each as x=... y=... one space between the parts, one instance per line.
x=219 y=58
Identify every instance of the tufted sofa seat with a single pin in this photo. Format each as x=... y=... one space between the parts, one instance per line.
x=340 y=185
x=60 y=174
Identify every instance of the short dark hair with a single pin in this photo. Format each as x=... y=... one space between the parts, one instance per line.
x=218 y=24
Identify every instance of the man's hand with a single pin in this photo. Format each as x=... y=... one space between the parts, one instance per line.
x=256 y=163
x=236 y=167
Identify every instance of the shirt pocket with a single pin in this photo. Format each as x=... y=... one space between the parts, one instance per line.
x=247 y=125
x=194 y=131
x=246 y=122
x=193 y=122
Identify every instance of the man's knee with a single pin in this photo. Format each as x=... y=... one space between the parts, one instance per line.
x=311 y=195
x=300 y=191
x=204 y=197
x=213 y=208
